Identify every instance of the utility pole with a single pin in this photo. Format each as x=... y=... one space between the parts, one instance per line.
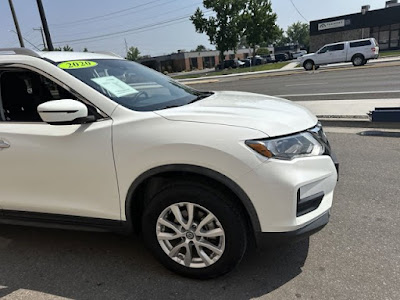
x=43 y=38
x=45 y=26
x=126 y=46
x=21 y=41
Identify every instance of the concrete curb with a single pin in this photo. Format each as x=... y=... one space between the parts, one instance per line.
x=357 y=123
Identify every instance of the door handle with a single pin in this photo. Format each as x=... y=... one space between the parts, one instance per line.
x=4 y=145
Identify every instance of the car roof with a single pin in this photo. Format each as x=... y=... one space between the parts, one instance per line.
x=352 y=41
x=59 y=56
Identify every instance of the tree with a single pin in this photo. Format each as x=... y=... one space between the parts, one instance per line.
x=200 y=48
x=259 y=23
x=85 y=50
x=67 y=48
x=262 y=51
x=299 y=33
x=281 y=39
x=224 y=29
x=133 y=54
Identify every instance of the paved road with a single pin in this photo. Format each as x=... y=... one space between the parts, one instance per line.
x=357 y=256
x=370 y=82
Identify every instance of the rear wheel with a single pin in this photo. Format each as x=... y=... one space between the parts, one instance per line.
x=358 y=60
x=194 y=230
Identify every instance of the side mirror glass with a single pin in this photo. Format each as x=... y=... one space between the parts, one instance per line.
x=63 y=112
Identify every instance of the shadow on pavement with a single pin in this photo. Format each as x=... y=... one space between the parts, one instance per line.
x=85 y=265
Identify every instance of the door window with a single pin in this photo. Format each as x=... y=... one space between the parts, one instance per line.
x=323 y=50
x=21 y=91
x=338 y=47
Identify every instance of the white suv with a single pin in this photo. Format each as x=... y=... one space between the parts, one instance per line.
x=358 y=52
x=93 y=141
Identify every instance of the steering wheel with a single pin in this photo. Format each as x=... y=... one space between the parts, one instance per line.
x=141 y=94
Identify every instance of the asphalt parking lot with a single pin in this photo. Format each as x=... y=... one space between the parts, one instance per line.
x=356 y=256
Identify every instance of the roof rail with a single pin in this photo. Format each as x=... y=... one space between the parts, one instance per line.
x=19 y=51
x=108 y=53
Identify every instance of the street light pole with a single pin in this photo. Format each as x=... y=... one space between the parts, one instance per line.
x=21 y=41
x=45 y=26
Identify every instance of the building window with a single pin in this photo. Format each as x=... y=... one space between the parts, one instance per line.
x=384 y=39
x=231 y=56
x=193 y=63
x=208 y=62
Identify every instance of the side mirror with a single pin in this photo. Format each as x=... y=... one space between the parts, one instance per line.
x=64 y=112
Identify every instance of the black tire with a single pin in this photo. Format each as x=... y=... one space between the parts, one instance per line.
x=308 y=65
x=229 y=215
x=358 y=60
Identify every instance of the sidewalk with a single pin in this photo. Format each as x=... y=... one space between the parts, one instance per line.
x=350 y=113
x=356 y=109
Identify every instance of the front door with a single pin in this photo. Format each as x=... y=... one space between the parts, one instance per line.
x=54 y=169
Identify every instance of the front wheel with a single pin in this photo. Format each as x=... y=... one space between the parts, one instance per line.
x=195 y=230
x=308 y=65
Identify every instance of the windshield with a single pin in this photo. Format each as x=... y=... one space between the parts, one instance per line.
x=131 y=84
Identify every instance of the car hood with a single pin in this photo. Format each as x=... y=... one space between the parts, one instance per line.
x=270 y=115
x=307 y=55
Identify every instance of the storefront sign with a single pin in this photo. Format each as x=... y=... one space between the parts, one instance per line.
x=330 y=25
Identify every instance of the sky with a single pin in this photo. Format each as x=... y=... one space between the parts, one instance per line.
x=156 y=27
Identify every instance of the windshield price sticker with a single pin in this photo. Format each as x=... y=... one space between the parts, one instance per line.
x=77 y=64
x=115 y=86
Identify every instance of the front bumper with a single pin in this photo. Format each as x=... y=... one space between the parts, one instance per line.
x=278 y=188
x=266 y=239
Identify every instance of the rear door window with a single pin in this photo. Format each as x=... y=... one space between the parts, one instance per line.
x=360 y=44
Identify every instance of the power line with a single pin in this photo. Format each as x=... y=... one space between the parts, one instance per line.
x=137 y=32
x=124 y=25
x=298 y=11
x=111 y=15
x=25 y=40
x=149 y=26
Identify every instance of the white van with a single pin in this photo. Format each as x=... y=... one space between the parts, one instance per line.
x=357 y=51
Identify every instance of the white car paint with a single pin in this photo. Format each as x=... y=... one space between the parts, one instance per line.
x=87 y=170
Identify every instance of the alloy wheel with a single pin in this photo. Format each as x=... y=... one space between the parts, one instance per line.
x=190 y=235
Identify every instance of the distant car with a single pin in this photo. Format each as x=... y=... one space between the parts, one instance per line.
x=269 y=58
x=230 y=63
x=358 y=52
x=247 y=62
x=281 y=57
x=257 y=60
x=298 y=54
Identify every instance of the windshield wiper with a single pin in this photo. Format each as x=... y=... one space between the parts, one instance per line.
x=201 y=96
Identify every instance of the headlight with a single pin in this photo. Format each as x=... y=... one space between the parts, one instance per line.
x=298 y=145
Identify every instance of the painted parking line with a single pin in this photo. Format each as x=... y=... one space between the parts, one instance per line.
x=30 y=294
x=305 y=84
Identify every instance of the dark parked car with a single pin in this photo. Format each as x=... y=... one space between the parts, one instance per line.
x=281 y=57
x=230 y=63
x=247 y=62
x=269 y=58
x=257 y=60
